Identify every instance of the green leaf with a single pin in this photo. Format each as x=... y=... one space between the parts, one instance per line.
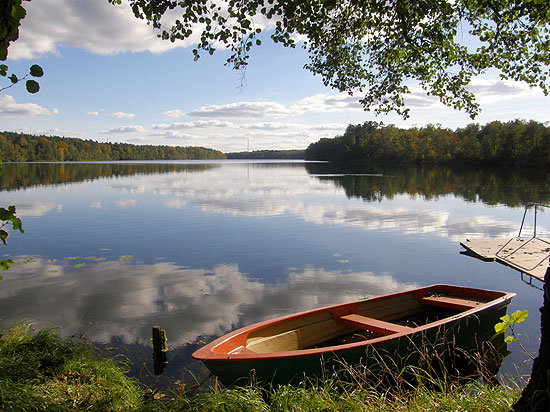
x=36 y=71
x=16 y=223
x=509 y=339
x=3 y=236
x=18 y=12
x=519 y=316
x=3 y=70
x=505 y=319
x=501 y=328
x=32 y=86
x=13 y=78
x=5 y=264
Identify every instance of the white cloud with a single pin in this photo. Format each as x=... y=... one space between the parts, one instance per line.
x=10 y=108
x=169 y=134
x=267 y=126
x=92 y=113
x=122 y=115
x=322 y=103
x=174 y=113
x=492 y=90
x=125 y=129
x=200 y=124
x=50 y=23
x=487 y=91
x=245 y=110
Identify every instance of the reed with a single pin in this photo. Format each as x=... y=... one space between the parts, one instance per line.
x=39 y=371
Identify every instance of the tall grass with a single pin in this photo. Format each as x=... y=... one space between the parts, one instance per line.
x=42 y=372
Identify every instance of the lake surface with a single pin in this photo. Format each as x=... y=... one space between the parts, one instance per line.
x=201 y=248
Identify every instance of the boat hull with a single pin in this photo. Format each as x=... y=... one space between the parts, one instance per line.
x=465 y=329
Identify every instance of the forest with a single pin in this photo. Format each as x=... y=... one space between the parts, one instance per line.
x=21 y=147
x=514 y=143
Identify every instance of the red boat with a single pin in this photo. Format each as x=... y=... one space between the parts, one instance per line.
x=308 y=344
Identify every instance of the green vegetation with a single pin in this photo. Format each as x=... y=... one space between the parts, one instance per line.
x=515 y=143
x=42 y=372
x=267 y=154
x=20 y=147
x=11 y=14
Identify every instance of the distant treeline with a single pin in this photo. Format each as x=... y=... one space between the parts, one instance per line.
x=20 y=147
x=515 y=143
x=267 y=154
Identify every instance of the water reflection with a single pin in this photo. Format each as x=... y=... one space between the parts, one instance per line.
x=117 y=299
x=220 y=245
x=370 y=182
x=232 y=192
x=256 y=190
x=22 y=175
x=37 y=208
x=510 y=187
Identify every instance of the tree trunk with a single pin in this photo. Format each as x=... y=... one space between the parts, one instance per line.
x=536 y=395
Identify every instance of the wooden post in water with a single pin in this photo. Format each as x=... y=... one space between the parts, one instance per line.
x=159 y=349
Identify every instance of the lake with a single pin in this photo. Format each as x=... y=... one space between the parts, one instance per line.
x=202 y=248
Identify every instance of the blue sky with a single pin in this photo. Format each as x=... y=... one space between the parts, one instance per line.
x=108 y=78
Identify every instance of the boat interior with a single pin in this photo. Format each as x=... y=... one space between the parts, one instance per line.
x=360 y=321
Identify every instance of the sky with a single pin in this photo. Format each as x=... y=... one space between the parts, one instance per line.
x=110 y=79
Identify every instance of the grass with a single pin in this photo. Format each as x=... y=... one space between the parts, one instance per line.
x=42 y=372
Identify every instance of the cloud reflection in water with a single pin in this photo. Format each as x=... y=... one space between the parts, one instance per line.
x=255 y=192
x=121 y=300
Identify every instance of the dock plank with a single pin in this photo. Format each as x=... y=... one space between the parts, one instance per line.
x=528 y=255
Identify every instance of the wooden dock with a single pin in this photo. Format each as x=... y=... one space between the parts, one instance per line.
x=528 y=255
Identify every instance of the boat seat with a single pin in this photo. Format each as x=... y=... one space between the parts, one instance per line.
x=450 y=302
x=374 y=325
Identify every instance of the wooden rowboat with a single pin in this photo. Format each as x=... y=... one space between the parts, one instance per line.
x=284 y=350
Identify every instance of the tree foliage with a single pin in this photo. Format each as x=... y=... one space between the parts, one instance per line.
x=515 y=143
x=11 y=14
x=20 y=147
x=376 y=47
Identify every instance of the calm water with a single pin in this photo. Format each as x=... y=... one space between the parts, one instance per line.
x=111 y=249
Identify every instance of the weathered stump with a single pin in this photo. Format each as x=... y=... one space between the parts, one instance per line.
x=159 y=349
x=536 y=395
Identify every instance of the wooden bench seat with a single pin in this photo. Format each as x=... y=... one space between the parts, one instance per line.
x=374 y=325
x=451 y=302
